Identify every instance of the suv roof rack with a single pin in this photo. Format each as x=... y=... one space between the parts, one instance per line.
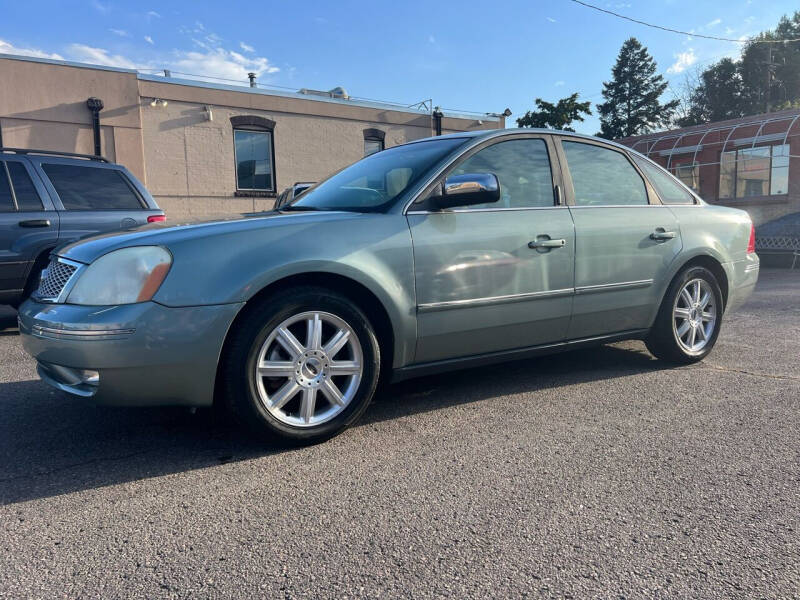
x=54 y=153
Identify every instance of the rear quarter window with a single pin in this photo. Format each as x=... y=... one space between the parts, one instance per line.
x=89 y=188
x=668 y=189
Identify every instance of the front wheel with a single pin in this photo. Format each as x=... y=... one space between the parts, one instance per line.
x=688 y=322
x=301 y=366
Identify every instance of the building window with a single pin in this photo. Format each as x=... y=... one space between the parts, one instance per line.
x=760 y=171
x=373 y=141
x=689 y=174
x=253 y=160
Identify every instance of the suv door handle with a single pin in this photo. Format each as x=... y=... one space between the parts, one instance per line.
x=35 y=223
x=661 y=234
x=547 y=244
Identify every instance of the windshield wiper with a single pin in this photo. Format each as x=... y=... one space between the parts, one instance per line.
x=298 y=208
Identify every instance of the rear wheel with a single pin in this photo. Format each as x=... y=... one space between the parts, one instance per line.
x=302 y=365
x=689 y=319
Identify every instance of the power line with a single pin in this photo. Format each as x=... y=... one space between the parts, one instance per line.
x=690 y=34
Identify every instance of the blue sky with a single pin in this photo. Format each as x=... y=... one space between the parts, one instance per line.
x=465 y=55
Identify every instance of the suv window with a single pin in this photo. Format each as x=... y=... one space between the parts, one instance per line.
x=90 y=188
x=669 y=190
x=603 y=177
x=523 y=169
x=6 y=199
x=24 y=190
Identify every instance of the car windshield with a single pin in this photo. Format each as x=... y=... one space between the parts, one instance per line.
x=375 y=182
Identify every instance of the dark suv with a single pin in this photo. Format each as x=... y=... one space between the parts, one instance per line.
x=49 y=198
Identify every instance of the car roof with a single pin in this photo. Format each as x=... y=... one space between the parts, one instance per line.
x=491 y=133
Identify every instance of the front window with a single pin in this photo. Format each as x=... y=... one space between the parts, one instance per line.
x=760 y=171
x=375 y=182
x=254 y=171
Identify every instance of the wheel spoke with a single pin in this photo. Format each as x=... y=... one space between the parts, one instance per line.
x=707 y=316
x=289 y=342
x=309 y=403
x=336 y=343
x=705 y=300
x=696 y=292
x=683 y=313
x=692 y=334
x=272 y=368
x=283 y=395
x=687 y=298
x=701 y=333
x=332 y=392
x=684 y=327
x=314 y=335
x=344 y=367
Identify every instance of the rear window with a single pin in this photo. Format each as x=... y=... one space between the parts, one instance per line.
x=90 y=188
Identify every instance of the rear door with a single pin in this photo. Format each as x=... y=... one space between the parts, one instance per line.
x=28 y=225
x=93 y=197
x=625 y=240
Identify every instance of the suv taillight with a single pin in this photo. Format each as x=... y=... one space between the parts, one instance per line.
x=156 y=218
x=751 y=245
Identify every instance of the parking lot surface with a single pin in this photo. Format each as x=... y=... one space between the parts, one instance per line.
x=595 y=473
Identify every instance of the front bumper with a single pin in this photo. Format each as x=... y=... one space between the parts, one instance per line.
x=145 y=354
x=742 y=279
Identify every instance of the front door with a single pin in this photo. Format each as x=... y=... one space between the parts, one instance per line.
x=625 y=240
x=26 y=228
x=484 y=280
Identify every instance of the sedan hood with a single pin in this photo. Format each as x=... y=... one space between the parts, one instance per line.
x=90 y=248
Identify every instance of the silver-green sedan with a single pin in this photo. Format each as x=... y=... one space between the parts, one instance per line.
x=445 y=253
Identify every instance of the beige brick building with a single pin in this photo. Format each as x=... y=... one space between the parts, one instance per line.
x=204 y=149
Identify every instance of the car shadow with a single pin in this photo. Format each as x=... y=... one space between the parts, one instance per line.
x=8 y=321
x=53 y=444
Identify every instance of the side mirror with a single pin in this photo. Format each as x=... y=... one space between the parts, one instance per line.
x=467 y=189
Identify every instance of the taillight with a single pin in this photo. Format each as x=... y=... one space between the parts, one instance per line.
x=156 y=218
x=751 y=245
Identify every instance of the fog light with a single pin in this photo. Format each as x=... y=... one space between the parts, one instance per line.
x=89 y=377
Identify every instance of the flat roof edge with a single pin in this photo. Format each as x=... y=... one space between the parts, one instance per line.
x=244 y=89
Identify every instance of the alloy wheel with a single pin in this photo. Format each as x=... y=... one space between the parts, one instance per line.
x=307 y=383
x=694 y=316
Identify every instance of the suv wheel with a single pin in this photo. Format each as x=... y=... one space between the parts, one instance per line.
x=302 y=366
x=689 y=319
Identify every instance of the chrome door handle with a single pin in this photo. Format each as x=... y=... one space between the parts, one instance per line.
x=661 y=234
x=547 y=244
x=35 y=223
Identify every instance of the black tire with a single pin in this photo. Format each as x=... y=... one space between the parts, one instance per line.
x=662 y=341
x=238 y=385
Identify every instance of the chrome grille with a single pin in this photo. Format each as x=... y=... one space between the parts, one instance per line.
x=54 y=279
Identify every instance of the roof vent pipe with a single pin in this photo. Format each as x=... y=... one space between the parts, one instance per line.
x=95 y=105
x=252 y=78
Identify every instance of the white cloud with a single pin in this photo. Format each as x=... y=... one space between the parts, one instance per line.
x=100 y=7
x=7 y=48
x=120 y=32
x=551 y=19
x=153 y=14
x=99 y=56
x=149 y=40
x=683 y=60
x=559 y=83
x=431 y=39
x=246 y=47
x=714 y=23
x=219 y=62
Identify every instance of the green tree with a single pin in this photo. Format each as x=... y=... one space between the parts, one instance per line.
x=718 y=96
x=632 y=98
x=766 y=77
x=556 y=116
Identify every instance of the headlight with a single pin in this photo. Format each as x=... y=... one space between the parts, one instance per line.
x=123 y=276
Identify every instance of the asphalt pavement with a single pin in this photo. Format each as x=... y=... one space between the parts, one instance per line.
x=596 y=473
